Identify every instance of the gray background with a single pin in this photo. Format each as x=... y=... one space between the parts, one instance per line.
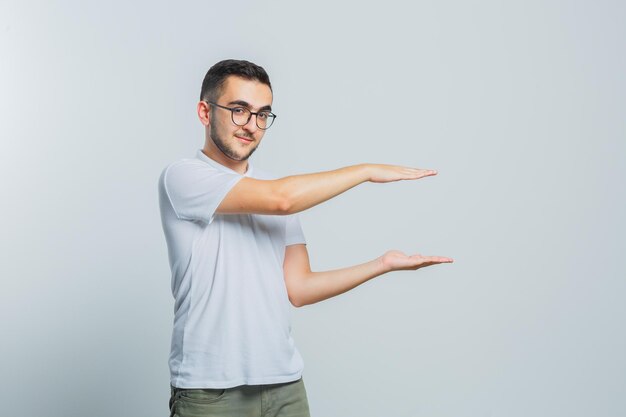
x=519 y=105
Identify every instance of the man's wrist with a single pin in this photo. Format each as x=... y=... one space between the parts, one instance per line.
x=381 y=268
x=365 y=171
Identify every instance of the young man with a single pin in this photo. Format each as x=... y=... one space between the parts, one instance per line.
x=239 y=260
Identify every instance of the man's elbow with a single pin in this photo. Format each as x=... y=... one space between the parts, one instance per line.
x=296 y=303
x=284 y=206
x=297 y=300
x=297 y=294
x=284 y=198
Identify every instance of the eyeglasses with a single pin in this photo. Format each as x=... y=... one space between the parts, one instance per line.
x=241 y=116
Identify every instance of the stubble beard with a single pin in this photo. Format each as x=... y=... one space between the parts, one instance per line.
x=227 y=149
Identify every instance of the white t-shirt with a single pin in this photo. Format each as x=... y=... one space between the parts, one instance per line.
x=231 y=311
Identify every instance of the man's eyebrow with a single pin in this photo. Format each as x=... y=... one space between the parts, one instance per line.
x=246 y=104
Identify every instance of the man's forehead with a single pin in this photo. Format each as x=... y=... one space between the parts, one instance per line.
x=253 y=92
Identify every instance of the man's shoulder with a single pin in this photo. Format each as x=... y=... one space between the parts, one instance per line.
x=183 y=172
x=185 y=162
x=185 y=165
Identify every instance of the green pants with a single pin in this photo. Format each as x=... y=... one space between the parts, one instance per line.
x=275 y=400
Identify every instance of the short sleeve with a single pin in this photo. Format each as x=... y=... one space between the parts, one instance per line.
x=293 y=231
x=196 y=189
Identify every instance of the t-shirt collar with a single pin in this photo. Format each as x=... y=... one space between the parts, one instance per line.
x=200 y=155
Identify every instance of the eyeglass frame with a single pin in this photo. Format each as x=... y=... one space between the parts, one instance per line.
x=256 y=119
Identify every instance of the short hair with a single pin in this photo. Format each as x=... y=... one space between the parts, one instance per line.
x=216 y=77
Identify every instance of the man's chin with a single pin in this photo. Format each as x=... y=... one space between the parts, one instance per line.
x=241 y=158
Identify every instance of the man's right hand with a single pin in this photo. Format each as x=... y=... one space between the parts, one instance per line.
x=389 y=173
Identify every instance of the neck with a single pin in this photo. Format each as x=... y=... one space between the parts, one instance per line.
x=213 y=152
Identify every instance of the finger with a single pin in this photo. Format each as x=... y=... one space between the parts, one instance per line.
x=405 y=168
x=437 y=259
x=421 y=173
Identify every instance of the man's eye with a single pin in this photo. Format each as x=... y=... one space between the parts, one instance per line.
x=264 y=115
x=239 y=110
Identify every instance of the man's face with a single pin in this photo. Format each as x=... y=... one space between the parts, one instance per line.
x=239 y=142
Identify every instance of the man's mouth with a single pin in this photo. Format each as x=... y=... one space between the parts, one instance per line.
x=244 y=139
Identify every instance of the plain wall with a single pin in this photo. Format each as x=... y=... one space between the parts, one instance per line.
x=519 y=105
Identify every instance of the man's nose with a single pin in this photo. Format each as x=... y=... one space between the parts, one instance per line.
x=251 y=125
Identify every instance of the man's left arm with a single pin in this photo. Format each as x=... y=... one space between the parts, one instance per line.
x=307 y=287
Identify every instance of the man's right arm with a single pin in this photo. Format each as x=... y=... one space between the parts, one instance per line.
x=296 y=193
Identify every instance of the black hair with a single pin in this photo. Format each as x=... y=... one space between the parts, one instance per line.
x=217 y=74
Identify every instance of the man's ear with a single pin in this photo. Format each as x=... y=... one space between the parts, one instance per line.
x=204 y=112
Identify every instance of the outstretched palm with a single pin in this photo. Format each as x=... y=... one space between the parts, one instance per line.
x=395 y=260
x=389 y=173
